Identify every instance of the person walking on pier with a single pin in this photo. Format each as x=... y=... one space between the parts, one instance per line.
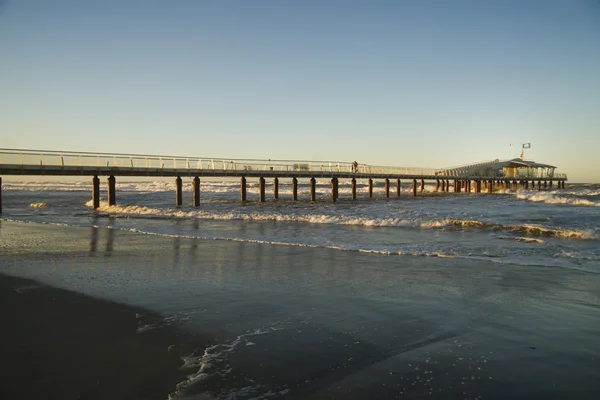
x=354 y=166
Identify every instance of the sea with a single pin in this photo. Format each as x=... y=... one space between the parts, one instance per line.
x=443 y=295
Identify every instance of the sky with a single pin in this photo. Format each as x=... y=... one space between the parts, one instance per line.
x=423 y=83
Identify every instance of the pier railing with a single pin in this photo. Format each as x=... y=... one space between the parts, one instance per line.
x=41 y=159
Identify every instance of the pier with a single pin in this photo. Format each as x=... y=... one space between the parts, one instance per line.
x=486 y=176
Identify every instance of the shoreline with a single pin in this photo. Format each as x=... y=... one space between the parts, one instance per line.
x=59 y=344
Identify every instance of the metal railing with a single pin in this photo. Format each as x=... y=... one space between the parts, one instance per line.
x=49 y=158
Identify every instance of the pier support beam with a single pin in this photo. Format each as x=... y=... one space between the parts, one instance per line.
x=313 y=189
x=468 y=186
x=414 y=188
x=490 y=186
x=387 y=188
x=422 y=185
x=457 y=185
x=196 y=192
x=370 y=188
x=261 y=189
x=95 y=191
x=545 y=184
x=275 y=188
x=437 y=185
x=112 y=199
x=443 y=186
x=353 y=188
x=550 y=185
x=334 y=189
x=539 y=185
x=294 y=188
x=447 y=185
x=397 y=187
x=178 y=194
x=243 y=188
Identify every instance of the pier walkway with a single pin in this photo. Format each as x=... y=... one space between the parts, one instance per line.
x=470 y=178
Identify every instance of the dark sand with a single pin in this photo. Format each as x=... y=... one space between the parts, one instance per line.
x=58 y=344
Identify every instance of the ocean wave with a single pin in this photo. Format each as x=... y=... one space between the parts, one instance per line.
x=526 y=229
x=551 y=198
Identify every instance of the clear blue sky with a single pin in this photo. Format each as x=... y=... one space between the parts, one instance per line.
x=408 y=83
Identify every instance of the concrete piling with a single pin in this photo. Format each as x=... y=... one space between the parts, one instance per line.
x=313 y=189
x=112 y=199
x=261 y=190
x=196 y=192
x=294 y=188
x=243 y=188
x=96 y=192
x=178 y=194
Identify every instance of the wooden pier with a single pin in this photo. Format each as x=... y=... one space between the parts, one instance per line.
x=491 y=176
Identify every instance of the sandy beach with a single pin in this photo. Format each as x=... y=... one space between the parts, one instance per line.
x=58 y=344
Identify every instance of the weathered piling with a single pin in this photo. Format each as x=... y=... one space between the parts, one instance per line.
x=196 y=192
x=422 y=185
x=437 y=185
x=275 y=188
x=490 y=186
x=353 y=188
x=243 y=188
x=96 y=192
x=261 y=189
x=397 y=187
x=414 y=188
x=112 y=198
x=334 y=189
x=313 y=189
x=387 y=188
x=178 y=194
x=370 y=188
x=294 y=188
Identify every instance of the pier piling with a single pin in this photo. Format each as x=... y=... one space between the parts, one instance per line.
x=370 y=188
x=414 y=188
x=294 y=188
x=387 y=188
x=275 y=188
x=112 y=199
x=313 y=189
x=397 y=187
x=422 y=185
x=353 y=188
x=261 y=189
x=243 y=188
x=334 y=189
x=178 y=194
x=96 y=192
x=196 y=192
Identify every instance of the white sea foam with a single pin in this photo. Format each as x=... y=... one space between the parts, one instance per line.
x=527 y=229
x=552 y=198
x=213 y=364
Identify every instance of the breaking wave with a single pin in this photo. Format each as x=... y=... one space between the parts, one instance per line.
x=526 y=229
x=551 y=198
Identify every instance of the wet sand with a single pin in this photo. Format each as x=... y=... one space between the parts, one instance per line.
x=58 y=344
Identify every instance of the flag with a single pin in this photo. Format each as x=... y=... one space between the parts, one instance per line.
x=526 y=145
